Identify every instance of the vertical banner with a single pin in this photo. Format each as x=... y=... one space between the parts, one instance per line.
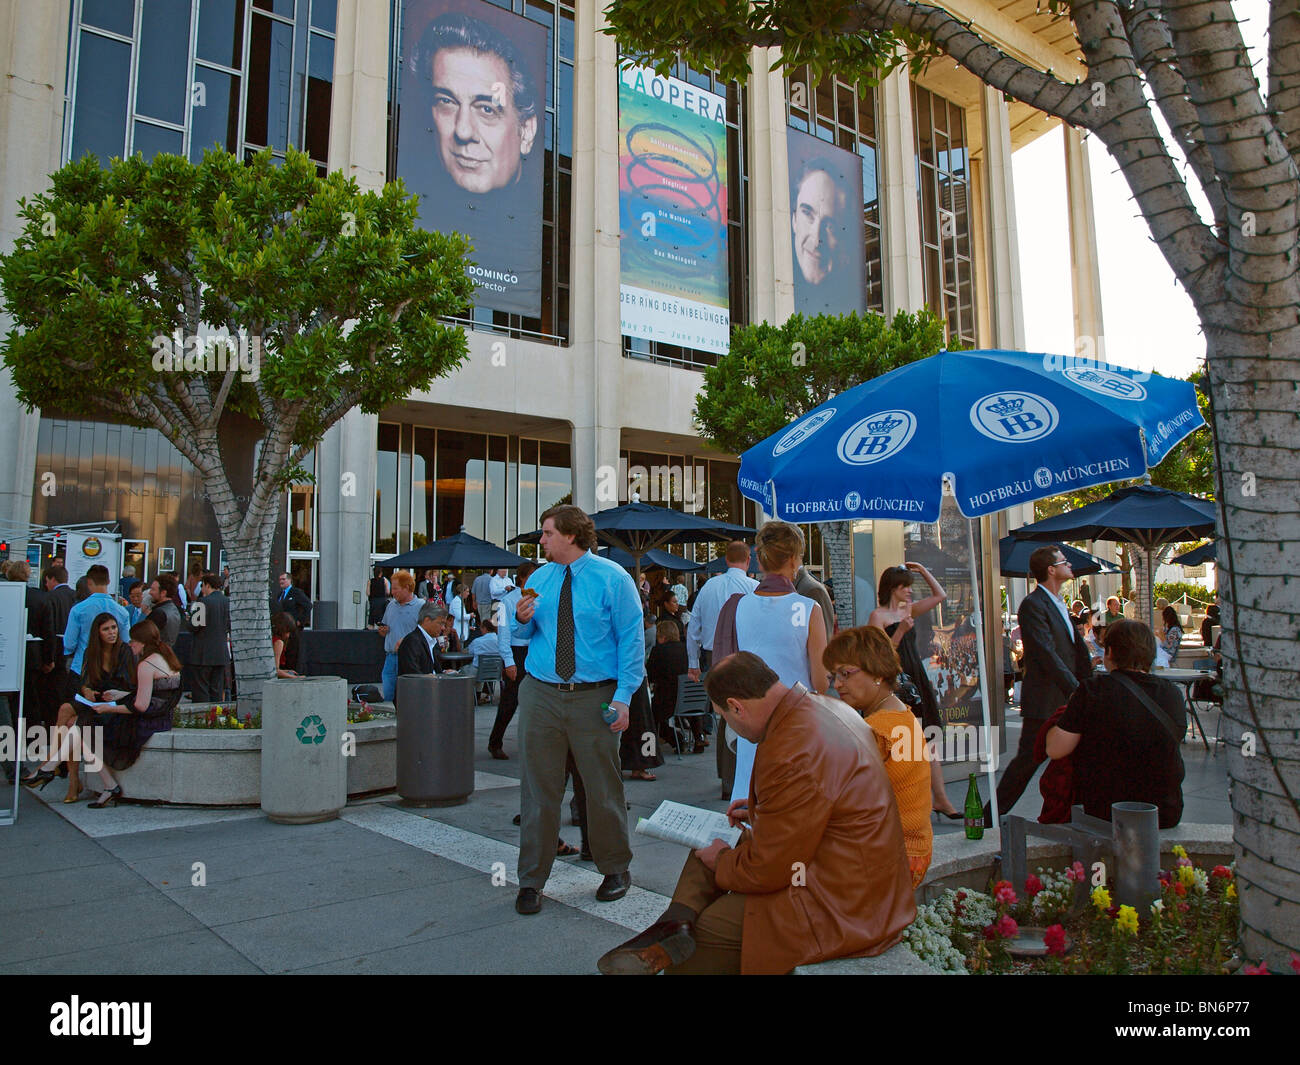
x=93 y=549
x=826 y=226
x=471 y=139
x=672 y=186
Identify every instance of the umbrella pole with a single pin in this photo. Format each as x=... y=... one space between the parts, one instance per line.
x=978 y=620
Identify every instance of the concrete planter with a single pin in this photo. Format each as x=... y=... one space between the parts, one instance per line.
x=219 y=767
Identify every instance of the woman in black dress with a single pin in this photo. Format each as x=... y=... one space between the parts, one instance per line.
x=897 y=615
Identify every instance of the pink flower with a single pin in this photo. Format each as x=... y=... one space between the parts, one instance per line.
x=1054 y=938
x=1183 y=907
x=991 y=932
x=1295 y=961
x=1033 y=885
x=1007 y=927
x=1003 y=892
x=1256 y=970
x=1165 y=877
x=1184 y=861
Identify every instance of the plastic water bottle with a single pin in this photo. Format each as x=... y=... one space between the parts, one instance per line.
x=608 y=713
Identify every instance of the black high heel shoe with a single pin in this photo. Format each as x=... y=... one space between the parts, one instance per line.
x=40 y=779
x=107 y=799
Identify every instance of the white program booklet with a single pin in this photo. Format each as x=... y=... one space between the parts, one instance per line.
x=688 y=825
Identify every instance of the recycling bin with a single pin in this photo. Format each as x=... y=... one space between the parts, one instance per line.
x=435 y=739
x=304 y=776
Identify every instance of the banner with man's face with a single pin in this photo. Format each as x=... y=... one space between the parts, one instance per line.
x=672 y=186
x=471 y=140
x=826 y=226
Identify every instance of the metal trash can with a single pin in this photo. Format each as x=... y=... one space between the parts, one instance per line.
x=304 y=775
x=325 y=616
x=1135 y=831
x=435 y=739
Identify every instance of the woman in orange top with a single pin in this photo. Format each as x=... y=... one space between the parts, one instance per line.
x=865 y=666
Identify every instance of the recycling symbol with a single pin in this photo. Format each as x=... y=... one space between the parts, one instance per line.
x=312 y=730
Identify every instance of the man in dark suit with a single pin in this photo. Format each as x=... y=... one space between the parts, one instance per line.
x=1055 y=662
x=59 y=600
x=418 y=651
x=293 y=601
x=210 y=651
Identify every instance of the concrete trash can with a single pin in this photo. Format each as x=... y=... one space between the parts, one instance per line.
x=304 y=776
x=435 y=739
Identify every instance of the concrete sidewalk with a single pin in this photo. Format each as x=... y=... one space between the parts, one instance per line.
x=137 y=889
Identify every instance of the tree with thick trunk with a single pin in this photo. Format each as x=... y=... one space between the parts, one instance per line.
x=240 y=310
x=1241 y=141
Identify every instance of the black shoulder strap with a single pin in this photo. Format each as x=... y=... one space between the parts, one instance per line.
x=1146 y=700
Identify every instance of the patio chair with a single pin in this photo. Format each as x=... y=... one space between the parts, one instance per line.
x=489 y=673
x=692 y=703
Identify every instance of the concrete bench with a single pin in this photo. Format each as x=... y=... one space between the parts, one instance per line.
x=896 y=961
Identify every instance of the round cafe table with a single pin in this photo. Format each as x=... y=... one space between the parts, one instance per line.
x=456 y=659
x=1188 y=677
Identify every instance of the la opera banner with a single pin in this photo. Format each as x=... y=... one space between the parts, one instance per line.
x=826 y=226
x=673 y=211
x=471 y=140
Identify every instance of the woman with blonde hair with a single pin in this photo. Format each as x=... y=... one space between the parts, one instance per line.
x=776 y=623
x=865 y=667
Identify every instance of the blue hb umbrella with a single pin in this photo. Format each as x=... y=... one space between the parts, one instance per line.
x=1014 y=555
x=884 y=448
x=1197 y=555
x=1001 y=427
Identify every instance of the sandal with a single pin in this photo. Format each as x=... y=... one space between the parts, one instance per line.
x=641 y=774
x=565 y=850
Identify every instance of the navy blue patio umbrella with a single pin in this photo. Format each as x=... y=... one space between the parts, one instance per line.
x=664 y=559
x=1014 y=555
x=719 y=564
x=460 y=551
x=1198 y=556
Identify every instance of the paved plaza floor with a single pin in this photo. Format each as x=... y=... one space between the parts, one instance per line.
x=384 y=889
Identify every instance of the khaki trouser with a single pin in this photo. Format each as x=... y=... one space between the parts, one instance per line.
x=719 y=926
x=552 y=723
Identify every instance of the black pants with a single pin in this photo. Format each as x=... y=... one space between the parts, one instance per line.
x=1021 y=769
x=209 y=684
x=509 y=698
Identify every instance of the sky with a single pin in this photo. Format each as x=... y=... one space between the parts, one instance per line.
x=1148 y=320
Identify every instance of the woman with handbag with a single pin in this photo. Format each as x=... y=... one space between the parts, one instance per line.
x=897 y=615
x=1122 y=731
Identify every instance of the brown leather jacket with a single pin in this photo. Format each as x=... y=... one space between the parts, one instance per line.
x=823 y=866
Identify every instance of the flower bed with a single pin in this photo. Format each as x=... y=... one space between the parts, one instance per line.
x=1189 y=929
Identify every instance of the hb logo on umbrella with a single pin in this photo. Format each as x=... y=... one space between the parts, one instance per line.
x=1014 y=417
x=877 y=436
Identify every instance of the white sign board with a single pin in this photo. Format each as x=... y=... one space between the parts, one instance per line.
x=94 y=549
x=13 y=637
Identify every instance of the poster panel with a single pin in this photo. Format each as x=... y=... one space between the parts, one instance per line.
x=826 y=226
x=672 y=186
x=93 y=549
x=471 y=139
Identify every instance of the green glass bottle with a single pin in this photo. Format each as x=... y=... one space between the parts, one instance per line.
x=974 y=811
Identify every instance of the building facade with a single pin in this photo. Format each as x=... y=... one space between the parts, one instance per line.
x=564 y=404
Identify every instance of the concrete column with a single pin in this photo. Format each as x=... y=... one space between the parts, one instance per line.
x=345 y=458
x=1085 y=277
x=1003 y=261
x=771 y=272
x=597 y=351
x=901 y=214
x=33 y=49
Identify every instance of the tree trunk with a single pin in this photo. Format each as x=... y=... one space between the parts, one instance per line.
x=250 y=618
x=1257 y=440
x=838 y=538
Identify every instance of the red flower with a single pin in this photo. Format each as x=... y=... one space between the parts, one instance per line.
x=1165 y=877
x=1032 y=885
x=1183 y=907
x=961 y=896
x=1295 y=961
x=1004 y=892
x=1222 y=872
x=1007 y=927
x=991 y=932
x=1179 y=890
x=1111 y=911
x=1054 y=938
x=1256 y=970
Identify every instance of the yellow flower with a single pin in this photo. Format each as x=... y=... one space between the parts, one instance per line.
x=1180 y=851
x=1127 y=920
x=1186 y=875
x=1101 y=898
x=1231 y=892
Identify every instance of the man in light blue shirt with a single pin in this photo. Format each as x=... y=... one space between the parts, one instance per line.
x=76 y=635
x=513 y=649
x=585 y=652
x=708 y=605
x=399 y=620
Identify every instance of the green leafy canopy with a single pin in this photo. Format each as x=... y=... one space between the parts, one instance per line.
x=338 y=287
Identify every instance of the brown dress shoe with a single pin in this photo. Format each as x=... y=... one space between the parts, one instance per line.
x=663 y=944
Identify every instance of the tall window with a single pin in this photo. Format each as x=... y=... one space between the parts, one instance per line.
x=845 y=116
x=181 y=76
x=737 y=229
x=557 y=180
x=943 y=186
